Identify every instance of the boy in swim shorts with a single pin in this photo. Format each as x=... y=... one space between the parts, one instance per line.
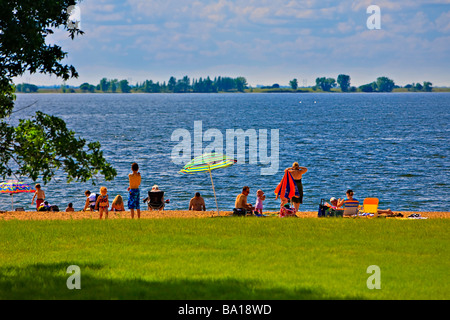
x=39 y=195
x=134 y=193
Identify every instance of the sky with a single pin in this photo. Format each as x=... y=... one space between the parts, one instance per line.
x=265 y=41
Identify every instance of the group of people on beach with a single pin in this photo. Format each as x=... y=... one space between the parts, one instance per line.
x=241 y=205
x=100 y=201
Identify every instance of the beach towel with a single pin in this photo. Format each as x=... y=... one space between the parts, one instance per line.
x=416 y=216
x=287 y=187
x=366 y=214
x=287 y=212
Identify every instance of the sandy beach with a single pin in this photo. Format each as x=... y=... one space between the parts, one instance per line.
x=32 y=215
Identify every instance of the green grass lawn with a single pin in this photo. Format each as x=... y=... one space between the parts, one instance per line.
x=225 y=258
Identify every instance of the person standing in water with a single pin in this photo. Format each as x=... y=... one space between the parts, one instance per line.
x=297 y=172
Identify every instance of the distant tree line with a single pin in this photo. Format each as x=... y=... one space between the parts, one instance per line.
x=26 y=87
x=382 y=84
x=105 y=85
x=228 y=84
x=426 y=87
x=183 y=85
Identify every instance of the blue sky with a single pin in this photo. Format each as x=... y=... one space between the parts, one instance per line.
x=265 y=41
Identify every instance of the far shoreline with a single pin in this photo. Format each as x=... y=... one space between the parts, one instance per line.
x=247 y=91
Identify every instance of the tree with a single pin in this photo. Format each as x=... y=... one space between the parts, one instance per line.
x=41 y=145
x=344 y=82
x=294 y=84
x=87 y=87
x=171 y=84
x=113 y=85
x=104 y=85
x=418 y=87
x=370 y=87
x=325 y=83
x=124 y=87
x=208 y=85
x=384 y=84
x=183 y=85
x=427 y=86
x=26 y=87
x=241 y=84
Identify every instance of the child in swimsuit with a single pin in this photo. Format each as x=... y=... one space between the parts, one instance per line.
x=260 y=197
x=134 y=192
x=102 y=202
x=39 y=195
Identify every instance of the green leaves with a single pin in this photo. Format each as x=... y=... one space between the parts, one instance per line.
x=25 y=26
x=325 y=83
x=344 y=82
x=384 y=84
x=42 y=145
x=7 y=98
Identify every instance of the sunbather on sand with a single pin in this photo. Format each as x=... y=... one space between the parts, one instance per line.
x=334 y=204
x=387 y=212
x=241 y=200
x=197 y=203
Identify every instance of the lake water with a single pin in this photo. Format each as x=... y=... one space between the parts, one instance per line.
x=392 y=146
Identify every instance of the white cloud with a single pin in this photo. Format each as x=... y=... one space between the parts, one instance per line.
x=443 y=22
x=160 y=36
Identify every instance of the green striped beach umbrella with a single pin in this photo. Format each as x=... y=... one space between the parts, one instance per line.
x=208 y=162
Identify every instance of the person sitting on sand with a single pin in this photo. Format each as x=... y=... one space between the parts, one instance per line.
x=333 y=204
x=117 y=204
x=389 y=212
x=348 y=202
x=197 y=203
x=352 y=202
x=91 y=198
x=155 y=199
x=70 y=207
x=241 y=200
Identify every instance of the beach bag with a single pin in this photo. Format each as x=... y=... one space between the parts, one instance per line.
x=54 y=208
x=334 y=213
x=322 y=209
x=287 y=212
x=239 y=212
x=44 y=208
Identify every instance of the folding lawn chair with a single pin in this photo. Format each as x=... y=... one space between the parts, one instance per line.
x=155 y=200
x=350 y=211
x=370 y=205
